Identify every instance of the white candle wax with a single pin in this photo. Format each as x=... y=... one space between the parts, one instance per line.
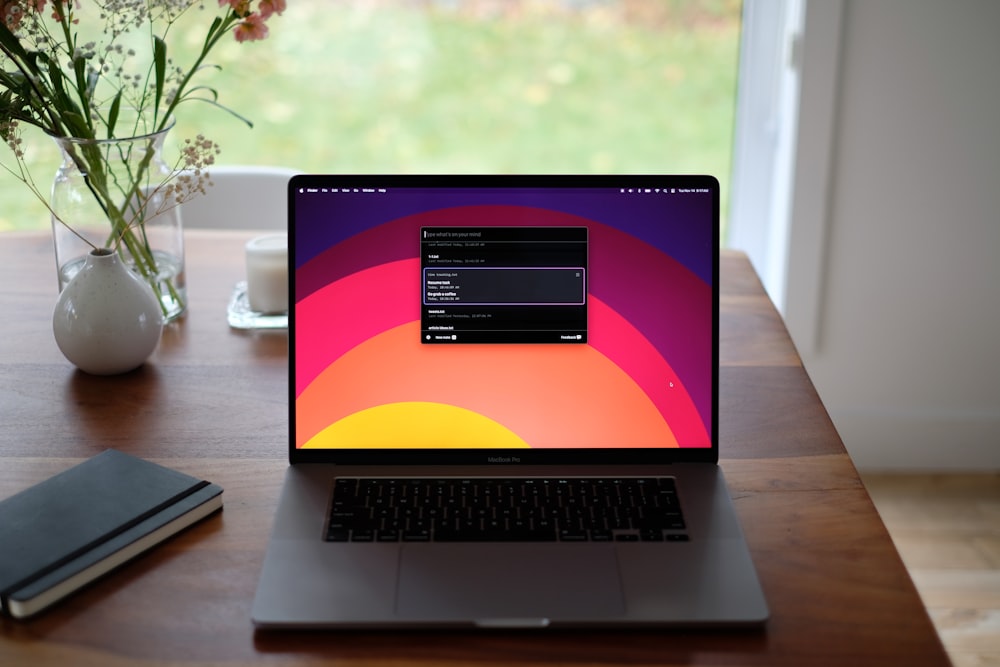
x=267 y=273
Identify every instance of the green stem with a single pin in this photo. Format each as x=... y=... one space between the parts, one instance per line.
x=65 y=20
x=215 y=33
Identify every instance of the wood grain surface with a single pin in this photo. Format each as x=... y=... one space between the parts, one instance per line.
x=212 y=402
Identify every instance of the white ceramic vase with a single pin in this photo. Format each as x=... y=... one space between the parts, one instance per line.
x=107 y=320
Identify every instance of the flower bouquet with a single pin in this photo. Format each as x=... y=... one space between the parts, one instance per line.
x=98 y=76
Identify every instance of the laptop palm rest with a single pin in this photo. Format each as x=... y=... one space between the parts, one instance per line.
x=509 y=585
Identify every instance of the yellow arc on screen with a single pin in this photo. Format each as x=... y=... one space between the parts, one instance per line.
x=416 y=425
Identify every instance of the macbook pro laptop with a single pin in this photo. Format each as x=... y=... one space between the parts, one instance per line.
x=504 y=408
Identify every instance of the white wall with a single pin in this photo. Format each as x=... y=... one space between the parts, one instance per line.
x=902 y=333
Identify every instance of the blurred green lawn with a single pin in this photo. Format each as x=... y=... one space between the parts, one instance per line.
x=463 y=86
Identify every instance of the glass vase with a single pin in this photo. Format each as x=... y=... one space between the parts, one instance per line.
x=118 y=194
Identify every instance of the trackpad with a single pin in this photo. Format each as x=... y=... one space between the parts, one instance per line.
x=496 y=582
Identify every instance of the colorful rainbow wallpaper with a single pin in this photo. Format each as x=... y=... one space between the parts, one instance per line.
x=363 y=379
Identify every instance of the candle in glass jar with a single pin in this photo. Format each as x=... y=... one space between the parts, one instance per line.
x=267 y=273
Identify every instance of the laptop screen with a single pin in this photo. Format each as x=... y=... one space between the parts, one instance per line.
x=503 y=318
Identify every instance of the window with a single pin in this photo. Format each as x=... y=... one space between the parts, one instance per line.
x=468 y=86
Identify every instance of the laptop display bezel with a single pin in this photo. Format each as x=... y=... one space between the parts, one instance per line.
x=479 y=456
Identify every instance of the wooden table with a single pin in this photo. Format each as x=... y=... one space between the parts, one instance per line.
x=212 y=402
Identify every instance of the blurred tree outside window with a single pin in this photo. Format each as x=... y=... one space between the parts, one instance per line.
x=464 y=86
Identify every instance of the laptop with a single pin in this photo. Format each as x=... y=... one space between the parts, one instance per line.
x=503 y=408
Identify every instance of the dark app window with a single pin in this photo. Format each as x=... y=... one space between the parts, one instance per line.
x=503 y=284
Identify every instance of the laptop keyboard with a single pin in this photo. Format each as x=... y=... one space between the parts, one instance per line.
x=626 y=509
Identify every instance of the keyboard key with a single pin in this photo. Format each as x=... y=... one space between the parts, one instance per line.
x=573 y=535
x=417 y=535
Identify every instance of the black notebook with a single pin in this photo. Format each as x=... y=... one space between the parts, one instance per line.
x=80 y=524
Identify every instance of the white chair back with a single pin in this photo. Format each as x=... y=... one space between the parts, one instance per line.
x=241 y=197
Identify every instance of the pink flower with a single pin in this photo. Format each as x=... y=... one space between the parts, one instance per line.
x=10 y=14
x=240 y=7
x=269 y=7
x=11 y=11
x=251 y=29
x=61 y=9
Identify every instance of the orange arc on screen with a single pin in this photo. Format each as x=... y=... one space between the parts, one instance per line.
x=557 y=396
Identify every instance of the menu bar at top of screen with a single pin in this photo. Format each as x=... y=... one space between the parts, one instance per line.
x=624 y=191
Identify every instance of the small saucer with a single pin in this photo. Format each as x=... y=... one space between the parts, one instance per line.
x=241 y=317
